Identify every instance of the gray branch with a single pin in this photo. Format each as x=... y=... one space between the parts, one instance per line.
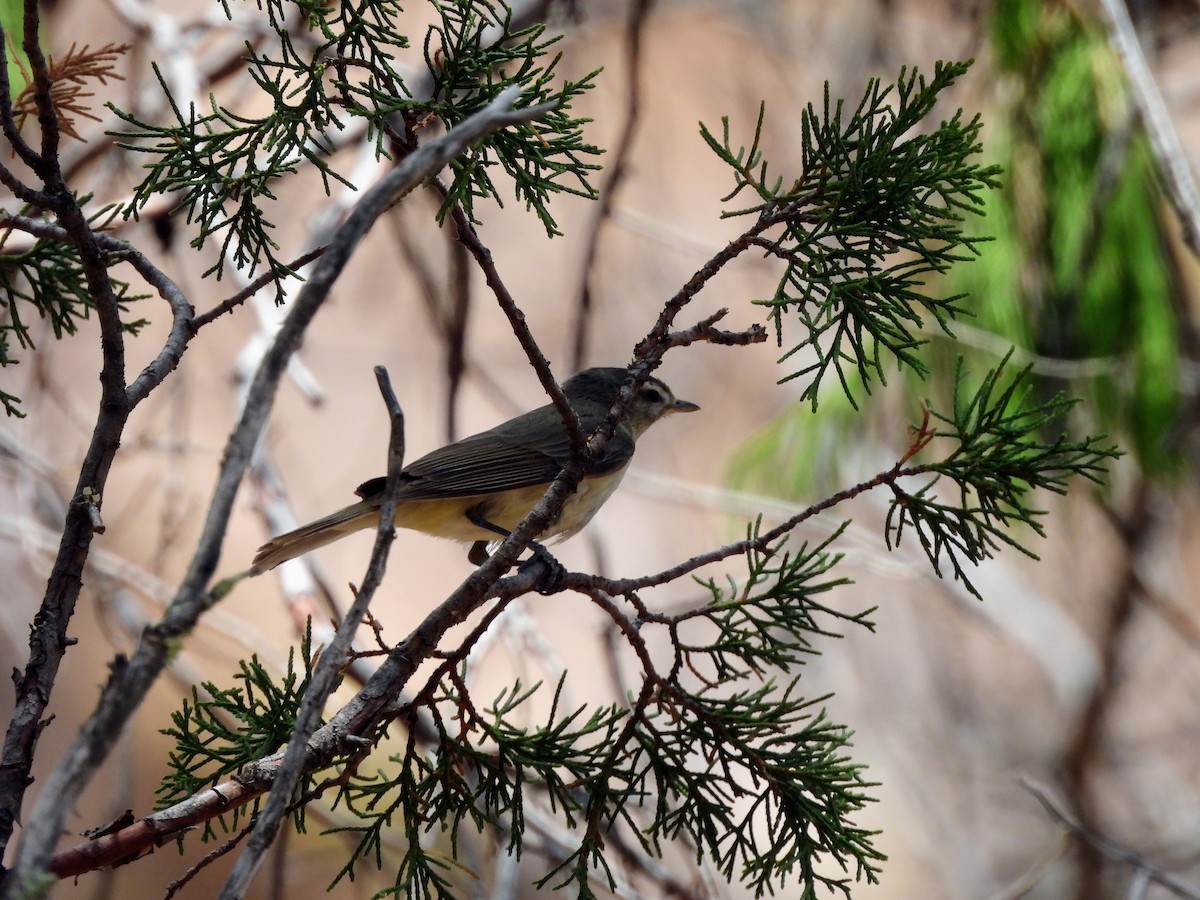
x=327 y=672
x=1172 y=159
x=1144 y=872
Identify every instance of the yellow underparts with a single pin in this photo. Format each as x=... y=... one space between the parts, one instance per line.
x=448 y=518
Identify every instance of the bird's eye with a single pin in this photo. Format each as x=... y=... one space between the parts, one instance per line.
x=650 y=395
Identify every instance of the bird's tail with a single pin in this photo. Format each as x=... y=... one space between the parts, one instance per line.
x=313 y=535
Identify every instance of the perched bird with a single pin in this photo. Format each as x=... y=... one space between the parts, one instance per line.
x=482 y=486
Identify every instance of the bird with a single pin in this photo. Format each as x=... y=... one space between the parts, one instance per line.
x=479 y=488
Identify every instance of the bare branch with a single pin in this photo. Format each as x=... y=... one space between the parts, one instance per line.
x=639 y=13
x=516 y=318
x=626 y=586
x=1172 y=159
x=328 y=668
x=655 y=343
x=1143 y=868
x=231 y=303
x=182 y=327
x=705 y=331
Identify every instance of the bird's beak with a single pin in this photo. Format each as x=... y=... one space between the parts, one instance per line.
x=683 y=406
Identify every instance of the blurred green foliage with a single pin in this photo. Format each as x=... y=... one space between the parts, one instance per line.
x=12 y=17
x=1077 y=272
x=1080 y=267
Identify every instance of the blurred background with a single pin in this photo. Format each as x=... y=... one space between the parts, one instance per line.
x=1071 y=692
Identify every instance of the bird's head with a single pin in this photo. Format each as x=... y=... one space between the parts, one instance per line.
x=652 y=401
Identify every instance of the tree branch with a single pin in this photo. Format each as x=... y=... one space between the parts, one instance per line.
x=626 y=586
x=516 y=318
x=182 y=313
x=327 y=672
x=1111 y=849
x=48 y=638
x=1172 y=159
x=231 y=303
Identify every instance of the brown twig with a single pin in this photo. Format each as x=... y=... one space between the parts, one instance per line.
x=635 y=27
x=328 y=669
x=648 y=353
x=207 y=860
x=108 y=249
x=706 y=332
x=232 y=303
x=626 y=587
x=516 y=318
x=1109 y=848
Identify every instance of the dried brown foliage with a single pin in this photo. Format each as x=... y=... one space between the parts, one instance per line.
x=69 y=80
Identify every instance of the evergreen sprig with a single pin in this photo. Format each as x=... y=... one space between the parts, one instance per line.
x=874 y=212
x=999 y=456
x=768 y=623
x=477 y=772
x=760 y=784
x=752 y=777
x=48 y=278
x=223 y=165
x=218 y=734
x=470 y=67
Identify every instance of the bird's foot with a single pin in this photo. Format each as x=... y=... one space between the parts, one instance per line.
x=551 y=580
x=554 y=571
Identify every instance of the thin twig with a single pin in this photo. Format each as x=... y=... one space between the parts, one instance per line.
x=182 y=321
x=1142 y=867
x=627 y=586
x=516 y=319
x=328 y=668
x=223 y=849
x=1173 y=162
x=266 y=278
x=639 y=12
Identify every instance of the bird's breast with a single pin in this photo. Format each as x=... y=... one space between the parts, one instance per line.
x=449 y=517
x=584 y=503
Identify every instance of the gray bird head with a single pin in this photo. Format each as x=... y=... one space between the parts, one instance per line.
x=652 y=401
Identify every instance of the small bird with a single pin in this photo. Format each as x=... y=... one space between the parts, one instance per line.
x=482 y=486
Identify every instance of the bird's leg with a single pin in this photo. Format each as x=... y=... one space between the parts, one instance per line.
x=478 y=553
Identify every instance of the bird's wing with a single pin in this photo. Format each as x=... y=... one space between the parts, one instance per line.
x=505 y=458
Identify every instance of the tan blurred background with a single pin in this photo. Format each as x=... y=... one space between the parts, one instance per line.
x=1080 y=672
